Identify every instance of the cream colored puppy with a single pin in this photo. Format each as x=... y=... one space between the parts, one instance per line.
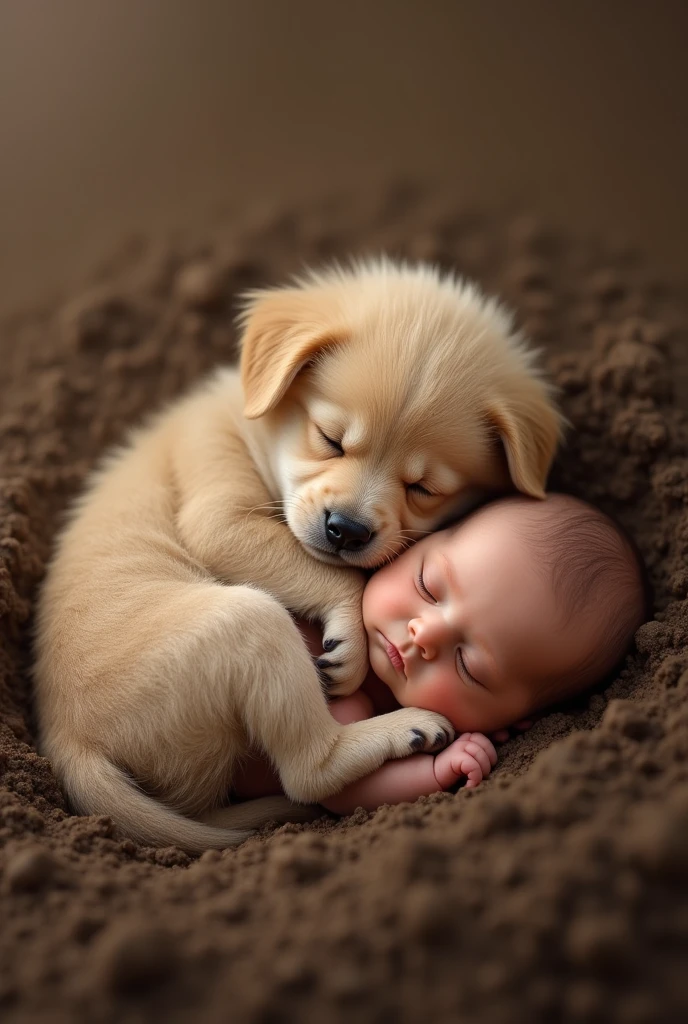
x=371 y=404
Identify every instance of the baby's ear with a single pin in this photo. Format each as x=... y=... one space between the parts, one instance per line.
x=530 y=428
x=284 y=329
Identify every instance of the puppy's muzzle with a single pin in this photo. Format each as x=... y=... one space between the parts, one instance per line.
x=345 y=534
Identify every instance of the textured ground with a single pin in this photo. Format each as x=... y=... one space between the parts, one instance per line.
x=558 y=890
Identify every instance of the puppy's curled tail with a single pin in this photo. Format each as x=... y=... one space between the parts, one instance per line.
x=96 y=786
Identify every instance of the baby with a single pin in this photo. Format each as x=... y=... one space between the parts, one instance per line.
x=521 y=604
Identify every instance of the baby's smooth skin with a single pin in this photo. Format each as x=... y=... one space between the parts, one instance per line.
x=486 y=622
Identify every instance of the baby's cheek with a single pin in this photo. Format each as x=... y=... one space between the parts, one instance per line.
x=443 y=694
x=463 y=705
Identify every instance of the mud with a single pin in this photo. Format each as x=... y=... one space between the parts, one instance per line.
x=557 y=890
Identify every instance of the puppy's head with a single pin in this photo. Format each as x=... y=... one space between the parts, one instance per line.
x=392 y=399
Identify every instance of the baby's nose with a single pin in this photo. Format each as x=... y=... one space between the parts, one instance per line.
x=425 y=637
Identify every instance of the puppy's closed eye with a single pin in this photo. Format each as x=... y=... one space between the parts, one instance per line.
x=334 y=445
x=419 y=489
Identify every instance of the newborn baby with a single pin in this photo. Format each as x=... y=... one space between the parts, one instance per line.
x=521 y=604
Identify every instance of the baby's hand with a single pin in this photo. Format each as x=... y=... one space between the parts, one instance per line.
x=472 y=754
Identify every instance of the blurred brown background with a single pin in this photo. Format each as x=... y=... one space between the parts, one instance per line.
x=128 y=115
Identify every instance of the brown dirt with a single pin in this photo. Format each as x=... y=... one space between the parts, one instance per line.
x=557 y=891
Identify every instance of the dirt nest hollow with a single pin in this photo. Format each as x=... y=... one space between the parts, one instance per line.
x=555 y=892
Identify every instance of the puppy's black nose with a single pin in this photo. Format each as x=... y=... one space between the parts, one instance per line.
x=345 y=533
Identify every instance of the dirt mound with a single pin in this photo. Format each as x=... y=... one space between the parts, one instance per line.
x=557 y=891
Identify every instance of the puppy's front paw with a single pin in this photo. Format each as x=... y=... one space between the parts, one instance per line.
x=430 y=732
x=343 y=664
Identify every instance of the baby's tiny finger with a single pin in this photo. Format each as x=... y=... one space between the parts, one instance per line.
x=480 y=755
x=487 y=745
x=473 y=771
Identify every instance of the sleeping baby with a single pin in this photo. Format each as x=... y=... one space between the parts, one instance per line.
x=520 y=605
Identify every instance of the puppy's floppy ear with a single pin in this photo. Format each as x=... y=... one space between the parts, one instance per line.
x=284 y=330
x=530 y=429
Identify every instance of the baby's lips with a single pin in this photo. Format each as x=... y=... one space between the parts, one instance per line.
x=394 y=655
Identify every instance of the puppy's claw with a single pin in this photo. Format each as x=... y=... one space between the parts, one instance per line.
x=419 y=740
x=430 y=742
x=347 y=669
x=441 y=740
x=325 y=663
x=329 y=686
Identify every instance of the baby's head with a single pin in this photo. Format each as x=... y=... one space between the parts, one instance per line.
x=522 y=604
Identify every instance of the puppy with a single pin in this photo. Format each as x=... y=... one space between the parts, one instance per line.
x=372 y=404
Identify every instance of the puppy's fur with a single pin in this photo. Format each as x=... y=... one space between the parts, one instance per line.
x=377 y=402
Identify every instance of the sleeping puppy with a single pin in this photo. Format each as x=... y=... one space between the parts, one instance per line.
x=372 y=404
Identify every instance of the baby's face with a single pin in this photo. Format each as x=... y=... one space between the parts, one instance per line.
x=462 y=623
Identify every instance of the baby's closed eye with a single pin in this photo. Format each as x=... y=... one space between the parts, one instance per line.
x=464 y=671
